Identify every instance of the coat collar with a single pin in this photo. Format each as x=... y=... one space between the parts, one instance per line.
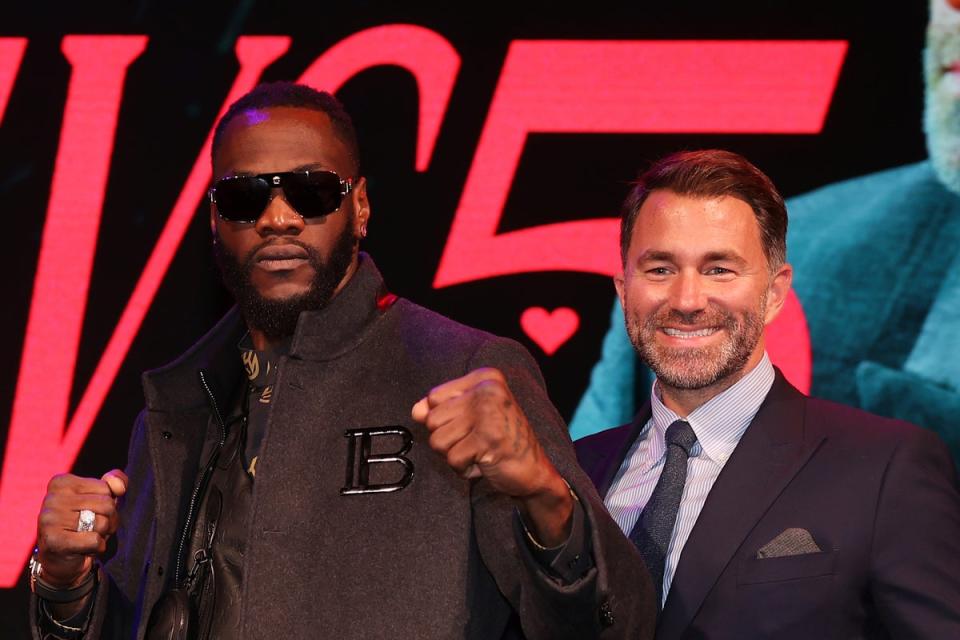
x=771 y=452
x=324 y=334
x=176 y=386
x=339 y=327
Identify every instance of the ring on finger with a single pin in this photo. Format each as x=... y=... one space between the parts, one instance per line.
x=86 y=520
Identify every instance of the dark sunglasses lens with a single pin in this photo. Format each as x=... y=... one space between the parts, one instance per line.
x=241 y=199
x=313 y=194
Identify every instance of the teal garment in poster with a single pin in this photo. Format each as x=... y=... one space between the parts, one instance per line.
x=877 y=269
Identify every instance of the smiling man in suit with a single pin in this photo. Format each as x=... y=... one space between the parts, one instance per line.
x=759 y=511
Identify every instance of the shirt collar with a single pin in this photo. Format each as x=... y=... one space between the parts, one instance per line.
x=261 y=366
x=721 y=421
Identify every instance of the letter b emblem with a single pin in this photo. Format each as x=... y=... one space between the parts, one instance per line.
x=360 y=458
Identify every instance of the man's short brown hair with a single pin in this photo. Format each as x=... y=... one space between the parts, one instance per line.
x=712 y=173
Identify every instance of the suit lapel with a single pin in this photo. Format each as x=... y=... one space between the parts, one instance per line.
x=768 y=456
x=620 y=452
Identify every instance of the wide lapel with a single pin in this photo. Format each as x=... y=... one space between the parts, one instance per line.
x=769 y=455
x=620 y=452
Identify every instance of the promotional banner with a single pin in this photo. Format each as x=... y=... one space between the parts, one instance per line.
x=498 y=143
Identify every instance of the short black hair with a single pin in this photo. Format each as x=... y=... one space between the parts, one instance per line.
x=712 y=173
x=291 y=94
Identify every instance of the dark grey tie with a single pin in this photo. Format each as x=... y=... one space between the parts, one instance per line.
x=652 y=532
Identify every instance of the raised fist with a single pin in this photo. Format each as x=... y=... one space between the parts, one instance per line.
x=478 y=426
x=66 y=551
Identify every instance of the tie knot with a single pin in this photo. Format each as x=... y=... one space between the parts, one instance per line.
x=681 y=434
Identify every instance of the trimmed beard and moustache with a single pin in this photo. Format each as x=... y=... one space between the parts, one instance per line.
x=941 y=115
x=697 y=368
x=277 y=318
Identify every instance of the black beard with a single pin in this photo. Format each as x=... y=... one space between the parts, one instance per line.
x=277 y=319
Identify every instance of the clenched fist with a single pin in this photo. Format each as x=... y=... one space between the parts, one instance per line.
x=66 y=554
x=476 y=423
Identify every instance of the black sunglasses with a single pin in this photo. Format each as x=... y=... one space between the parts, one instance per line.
x=312 y=194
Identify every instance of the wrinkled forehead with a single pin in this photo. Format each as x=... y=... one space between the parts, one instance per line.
x=695 y=226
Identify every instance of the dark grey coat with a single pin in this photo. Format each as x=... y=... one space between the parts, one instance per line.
x=438 y=559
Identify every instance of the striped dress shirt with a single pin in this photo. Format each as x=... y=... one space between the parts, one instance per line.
x=719 y=423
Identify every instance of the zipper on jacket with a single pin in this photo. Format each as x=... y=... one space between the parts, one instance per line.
x=201 y=485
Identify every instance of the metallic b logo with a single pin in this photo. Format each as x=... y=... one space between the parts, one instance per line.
x=360 y=458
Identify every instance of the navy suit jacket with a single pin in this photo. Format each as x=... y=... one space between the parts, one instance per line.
x=878 y=496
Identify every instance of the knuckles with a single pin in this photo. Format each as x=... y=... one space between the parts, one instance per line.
x=491 y=374
x=104 y=505
x=437 y=442
x=486 y=398
x=47 y=526
x=433 y=421
x=53 y=540
x=486 y=406
x=458 y=461
x=60 y=482
x=51 y=502
x=470 y=382
x=491 y=389
x=435 y=397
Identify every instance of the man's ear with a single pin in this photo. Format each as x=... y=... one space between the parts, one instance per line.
x=778 y=291
x=619 y=285
x=361 y=207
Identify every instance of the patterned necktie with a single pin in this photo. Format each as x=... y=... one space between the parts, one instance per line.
x=652 y=532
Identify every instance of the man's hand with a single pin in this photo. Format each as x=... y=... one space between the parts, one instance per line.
x=66 y=554
x=476 y=423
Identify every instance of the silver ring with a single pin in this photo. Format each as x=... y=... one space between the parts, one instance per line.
x=86 y=520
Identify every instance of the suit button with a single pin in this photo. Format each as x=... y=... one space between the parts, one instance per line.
x=606 y=615
x=166 y=435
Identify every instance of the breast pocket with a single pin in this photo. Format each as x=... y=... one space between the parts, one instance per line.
x=807 y=565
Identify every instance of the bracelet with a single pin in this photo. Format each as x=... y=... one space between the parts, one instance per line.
x=59 y=628
x=62 y=596
x=533 y=541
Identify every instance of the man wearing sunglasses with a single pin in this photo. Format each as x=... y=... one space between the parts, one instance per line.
x=279 y=483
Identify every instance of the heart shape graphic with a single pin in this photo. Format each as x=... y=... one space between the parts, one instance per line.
x=549 y=329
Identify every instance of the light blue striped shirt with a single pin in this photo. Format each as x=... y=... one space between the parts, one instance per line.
x=719 y=423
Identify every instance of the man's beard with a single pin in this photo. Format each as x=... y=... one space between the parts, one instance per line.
x=277 y=318
x=697 y=367
x=941 y=116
